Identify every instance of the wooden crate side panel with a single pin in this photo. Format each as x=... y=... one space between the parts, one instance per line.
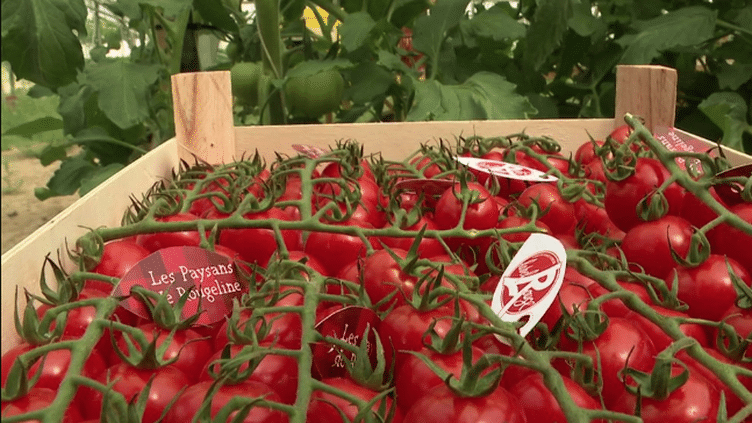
x=103 y=206
x=398 y=139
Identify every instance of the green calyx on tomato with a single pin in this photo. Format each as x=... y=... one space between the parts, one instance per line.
x=245 y=77
x=314 y=95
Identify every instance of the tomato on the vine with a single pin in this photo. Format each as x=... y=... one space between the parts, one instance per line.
x=314 y=95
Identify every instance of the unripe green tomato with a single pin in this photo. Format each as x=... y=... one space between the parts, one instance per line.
x=245 y=76
x=314 y=95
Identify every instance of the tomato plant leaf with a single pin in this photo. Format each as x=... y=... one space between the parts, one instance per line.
x=39 y=39
x=355 y=30
x=431 y=30
x=52 y=153
x=42 y=124
x=170 y=8
x=67 y=179
x=583 y=22
x=216 y=13
x=123 y=89
x=685 y=27
x=92 y=179
x=494 y=24
x=368 y=81
x=484 y=95
x=547 y=29
x=731 y=77
x=728 y=111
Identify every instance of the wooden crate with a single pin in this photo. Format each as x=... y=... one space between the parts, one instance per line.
x=204 y=127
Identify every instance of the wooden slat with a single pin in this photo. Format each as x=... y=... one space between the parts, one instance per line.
x=647 y=91
x=203 y=116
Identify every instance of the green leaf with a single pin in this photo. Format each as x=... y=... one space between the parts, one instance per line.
x=582 y=21
x=728 y=111
x=312 y=67
x=36 y=126
x=484 y=95
x=431 y=30
x=355 y=30
x=39 y=41
x=39 y=91
x=392 y=62
x=52 y=153
x=98 y=176
x=73 y=99
x=170 y=8
x=123 y=89
x=369 y=81
x=216 y=13
x=731 y=77
x=744 y=18
x=685 y=27
x=548 y=27
x=494 y=24
x=67 y=179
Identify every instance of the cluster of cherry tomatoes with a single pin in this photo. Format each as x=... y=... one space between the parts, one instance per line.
x=653 y=316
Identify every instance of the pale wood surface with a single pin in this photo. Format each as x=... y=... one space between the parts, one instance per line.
x=647 y=91
x=203 y=116
x=102 y=206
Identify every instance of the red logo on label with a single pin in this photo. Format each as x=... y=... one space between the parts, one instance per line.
x=310 y=151
x=505 y=169
x=530 y=282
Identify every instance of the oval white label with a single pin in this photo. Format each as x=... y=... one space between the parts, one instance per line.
x=530 y=283
x=506 y=170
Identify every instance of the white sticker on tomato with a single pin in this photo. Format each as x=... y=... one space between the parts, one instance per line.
x=506 y=170
x=530 y=283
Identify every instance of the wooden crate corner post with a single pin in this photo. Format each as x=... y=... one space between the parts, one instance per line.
x=647 y=91
x=202 y=103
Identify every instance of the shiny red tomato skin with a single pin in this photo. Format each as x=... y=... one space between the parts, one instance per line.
x=130 y=381
x=56 y=363
x=649 y=244
x=264 y=242
x=622 y=197
x=157 y=241
x=414 y=378
x=191 y=348
x=733 y=242
x=323 y=405
x=37 y=399
x=439 y=404
x=279 y=372
x=117 y=259
x=622 y=342
x=9 y=357
x=483 y=214
x=189 y=402
x=285 y=329
x=336 y=250
x=516 y=222
x=541 y=406
x=708 y=289
x=695 y=401
x=557 y=213
x=405 y=326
